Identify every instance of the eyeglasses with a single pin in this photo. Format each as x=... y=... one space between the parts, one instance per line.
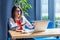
x=18 y=10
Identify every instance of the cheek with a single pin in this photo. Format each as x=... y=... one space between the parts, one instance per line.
x=19 y=14
x=16 y=14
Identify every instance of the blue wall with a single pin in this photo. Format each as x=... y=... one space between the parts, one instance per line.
x=38 y=10
x=51 y=10
x=32 y=11
x=0 y=22
x=5 y=11
x=35 y=12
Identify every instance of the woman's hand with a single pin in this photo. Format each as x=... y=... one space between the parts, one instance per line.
x=33 y=24
x=23 y=24
x=18 y=30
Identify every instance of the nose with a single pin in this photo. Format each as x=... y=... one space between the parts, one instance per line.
x=18 y=13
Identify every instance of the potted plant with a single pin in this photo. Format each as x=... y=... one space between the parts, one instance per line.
x=24 y=6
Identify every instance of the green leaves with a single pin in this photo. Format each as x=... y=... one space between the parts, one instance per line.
x=16 y=2
x=28 y=6
x=25 y=10
x=25 y=1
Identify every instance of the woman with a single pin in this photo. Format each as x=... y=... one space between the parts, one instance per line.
x=18 y=21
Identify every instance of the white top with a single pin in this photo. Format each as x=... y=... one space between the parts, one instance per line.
x=13 y=25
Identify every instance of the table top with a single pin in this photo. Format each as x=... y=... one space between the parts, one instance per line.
x=47 y=32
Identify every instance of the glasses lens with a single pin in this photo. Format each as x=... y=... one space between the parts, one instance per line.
x=18 y=10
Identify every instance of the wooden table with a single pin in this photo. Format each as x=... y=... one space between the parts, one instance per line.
x=48 y=32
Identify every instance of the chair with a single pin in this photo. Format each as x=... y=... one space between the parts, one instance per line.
x=51 y=24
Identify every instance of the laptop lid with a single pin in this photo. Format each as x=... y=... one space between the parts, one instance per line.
x=41 y=25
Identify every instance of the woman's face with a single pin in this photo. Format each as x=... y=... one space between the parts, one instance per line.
x=17 y=13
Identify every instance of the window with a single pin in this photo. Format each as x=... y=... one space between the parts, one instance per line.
x=57 y=9
x=44 y=9
x=57 y=12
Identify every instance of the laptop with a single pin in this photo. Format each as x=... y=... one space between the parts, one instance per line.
x=40 y=25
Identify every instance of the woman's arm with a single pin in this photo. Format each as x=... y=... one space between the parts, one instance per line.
x=12 y=24
x=27 y=22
